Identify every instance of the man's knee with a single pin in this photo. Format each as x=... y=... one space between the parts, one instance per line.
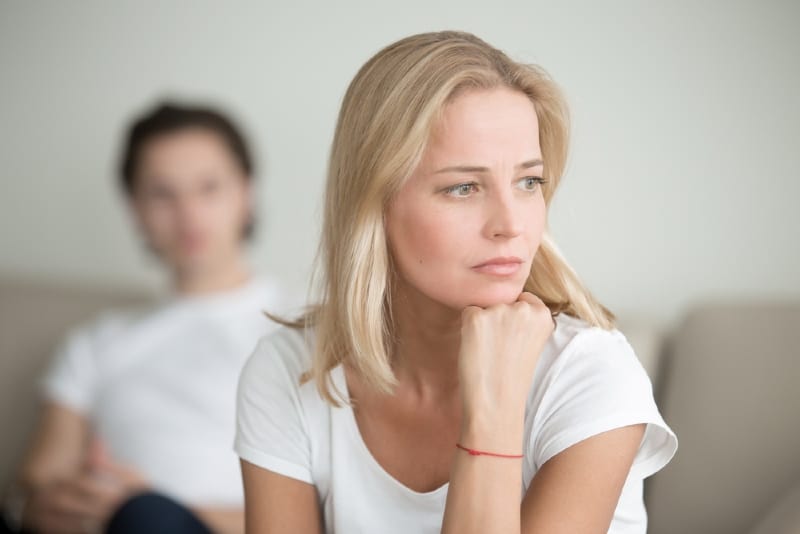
x=154 y=513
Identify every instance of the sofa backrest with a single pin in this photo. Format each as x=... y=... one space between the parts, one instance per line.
x=34 y=316
x=731 y=392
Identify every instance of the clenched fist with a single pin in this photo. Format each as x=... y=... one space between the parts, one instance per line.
x=500 y=347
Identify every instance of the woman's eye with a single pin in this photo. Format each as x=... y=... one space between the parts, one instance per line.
x=531 y=183
x=461 y=190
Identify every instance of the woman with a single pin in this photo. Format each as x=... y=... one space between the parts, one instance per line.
x=484 y=388
x=144 y=402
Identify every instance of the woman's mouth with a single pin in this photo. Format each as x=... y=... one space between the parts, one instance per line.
x=500 y=266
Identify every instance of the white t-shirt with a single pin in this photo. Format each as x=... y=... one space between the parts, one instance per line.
x=587 y=381
x=159 y=386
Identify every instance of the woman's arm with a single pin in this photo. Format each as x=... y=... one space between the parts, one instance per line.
x=221 y=520
x=500 y=347
x=275 y=504
x=484 y=491
x=575 y=492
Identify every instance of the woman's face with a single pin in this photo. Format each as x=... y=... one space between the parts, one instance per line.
x=191 y=199
x=463 y=230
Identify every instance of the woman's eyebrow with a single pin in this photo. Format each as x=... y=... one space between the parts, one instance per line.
x=530 y=163
x=477 y=169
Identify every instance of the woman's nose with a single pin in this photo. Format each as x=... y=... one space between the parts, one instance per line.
x=504 y=217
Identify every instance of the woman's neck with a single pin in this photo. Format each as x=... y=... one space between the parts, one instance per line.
x=428 y=334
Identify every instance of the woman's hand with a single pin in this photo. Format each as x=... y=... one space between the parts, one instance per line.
x=500 y=347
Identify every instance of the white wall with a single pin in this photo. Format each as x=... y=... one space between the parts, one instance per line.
x=683 y=180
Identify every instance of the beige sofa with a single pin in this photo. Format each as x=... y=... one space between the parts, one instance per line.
x=727 y=381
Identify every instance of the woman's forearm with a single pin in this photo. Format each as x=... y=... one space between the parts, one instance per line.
x=485 y=491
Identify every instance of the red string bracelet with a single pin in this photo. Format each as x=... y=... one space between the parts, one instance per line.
x=474 y=452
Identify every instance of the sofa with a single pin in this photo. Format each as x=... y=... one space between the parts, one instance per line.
x=726 y=378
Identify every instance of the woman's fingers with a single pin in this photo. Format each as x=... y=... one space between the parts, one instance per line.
x=537 y=303
x=530 y=298
x=500 y=346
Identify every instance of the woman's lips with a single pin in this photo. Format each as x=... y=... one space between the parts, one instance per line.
x=499 y=266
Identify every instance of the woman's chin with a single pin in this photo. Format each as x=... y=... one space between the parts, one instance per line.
x=487 y=299
x=458 y=296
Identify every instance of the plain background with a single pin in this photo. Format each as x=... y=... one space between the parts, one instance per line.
x=683 y=179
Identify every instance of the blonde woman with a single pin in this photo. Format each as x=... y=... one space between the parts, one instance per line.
x=456 y=376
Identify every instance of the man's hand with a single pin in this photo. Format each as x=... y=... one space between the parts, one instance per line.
x=84 y=503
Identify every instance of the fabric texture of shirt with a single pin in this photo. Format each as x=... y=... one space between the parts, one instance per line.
x=158 y=385
x=587 y=381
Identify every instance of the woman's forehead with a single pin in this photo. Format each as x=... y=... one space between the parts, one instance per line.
x=480 y=127
x=481 y=115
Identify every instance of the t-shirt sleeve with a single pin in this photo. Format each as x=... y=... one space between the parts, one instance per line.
x=71 y=379
x=271 y=430
x=599 y=385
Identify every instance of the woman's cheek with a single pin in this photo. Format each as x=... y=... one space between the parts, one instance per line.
x=438 y=237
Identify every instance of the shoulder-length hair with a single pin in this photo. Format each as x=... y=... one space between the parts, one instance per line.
x=383 y=127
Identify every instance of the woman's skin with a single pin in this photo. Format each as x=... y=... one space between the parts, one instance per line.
x=470 y=340
x=191 y=203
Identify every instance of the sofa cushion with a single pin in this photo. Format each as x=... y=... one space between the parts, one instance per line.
x=783 y=517
x=730 y=393
x=33 y=318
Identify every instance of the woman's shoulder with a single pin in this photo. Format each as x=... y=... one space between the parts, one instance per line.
x=284 y=353
x=574 y=339
x=591 y=381
x=281 y=297
x=570 y=330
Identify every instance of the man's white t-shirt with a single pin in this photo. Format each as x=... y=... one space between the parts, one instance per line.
x=158 y=386
x=587 y=381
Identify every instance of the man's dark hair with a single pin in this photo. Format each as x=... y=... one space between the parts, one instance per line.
x=169 y=117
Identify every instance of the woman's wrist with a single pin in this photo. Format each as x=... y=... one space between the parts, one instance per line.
x=501 y=433
x=485 y=412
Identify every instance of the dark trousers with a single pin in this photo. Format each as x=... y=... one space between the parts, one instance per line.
x=148 y=513
x=151 y=513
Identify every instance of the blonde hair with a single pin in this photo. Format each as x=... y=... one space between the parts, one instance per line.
x=384 y=123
